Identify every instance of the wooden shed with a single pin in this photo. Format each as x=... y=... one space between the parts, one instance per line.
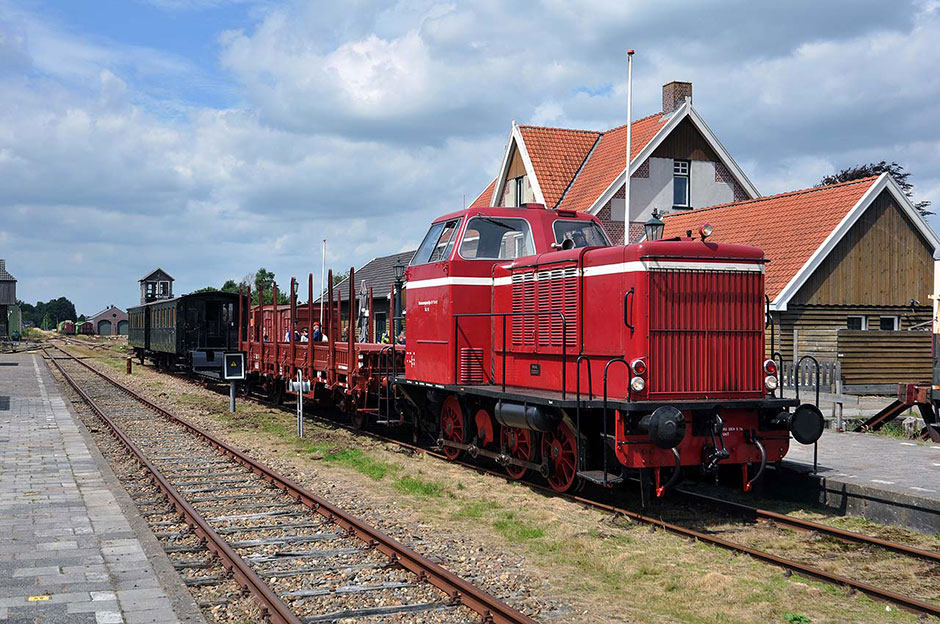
x=849 y=276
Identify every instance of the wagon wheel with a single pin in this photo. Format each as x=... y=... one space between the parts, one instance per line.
x=453 y=426
x=519 y=445
x=560 y=448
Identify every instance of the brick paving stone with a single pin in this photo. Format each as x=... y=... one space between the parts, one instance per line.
x=62 y=531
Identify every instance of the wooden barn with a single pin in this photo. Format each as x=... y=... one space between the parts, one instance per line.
x=849 y=276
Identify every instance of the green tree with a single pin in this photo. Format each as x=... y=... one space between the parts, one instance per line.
x=47 y=322
x=872 y=169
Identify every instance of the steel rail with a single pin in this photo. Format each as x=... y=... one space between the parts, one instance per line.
x=459 y=590
x=906 y=602
x=808 y=525
x=272 y=606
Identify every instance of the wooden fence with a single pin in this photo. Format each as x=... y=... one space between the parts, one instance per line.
x=829 y=375
x=876 y=361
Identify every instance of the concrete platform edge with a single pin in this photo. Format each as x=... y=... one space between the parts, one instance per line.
x=794 y=482
x=184 y=606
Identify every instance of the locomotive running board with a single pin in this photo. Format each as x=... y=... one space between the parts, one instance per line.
x=597 y=477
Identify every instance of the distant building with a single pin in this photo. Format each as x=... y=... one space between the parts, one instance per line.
x=7 y=298
x=156 y=285
x=379 y=275
x=112 y=321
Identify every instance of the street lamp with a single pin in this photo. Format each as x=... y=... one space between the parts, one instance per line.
x=654 y=227
x=399 y=278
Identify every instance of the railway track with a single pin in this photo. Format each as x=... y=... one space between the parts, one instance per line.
x=301 y=558
x=748 y=513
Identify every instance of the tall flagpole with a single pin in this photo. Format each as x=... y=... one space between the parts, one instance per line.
x=626 y=175
x=322 y=273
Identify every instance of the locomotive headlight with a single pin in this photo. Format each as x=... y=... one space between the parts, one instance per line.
x=770 y=382
x=639 y=367
x=705 y=231
x=770 y=367
x=637 y=384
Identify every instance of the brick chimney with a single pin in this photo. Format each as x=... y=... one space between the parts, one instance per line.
x=674 y=95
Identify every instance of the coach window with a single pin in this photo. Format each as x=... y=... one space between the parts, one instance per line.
x=496 y=238
x=437 y=243
x=580 y=233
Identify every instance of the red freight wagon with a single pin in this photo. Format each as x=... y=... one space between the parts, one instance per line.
x=533 y=341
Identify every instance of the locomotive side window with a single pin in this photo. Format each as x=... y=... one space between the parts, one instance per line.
x=496 y=238
x=437 y=243
x=581 y=233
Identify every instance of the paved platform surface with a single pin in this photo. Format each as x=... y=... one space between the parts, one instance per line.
x=72 y=547
x=882 y=478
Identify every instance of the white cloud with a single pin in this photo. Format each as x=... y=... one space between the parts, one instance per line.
x=360 y=121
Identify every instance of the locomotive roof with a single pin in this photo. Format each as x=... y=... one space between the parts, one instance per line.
x=526 y=210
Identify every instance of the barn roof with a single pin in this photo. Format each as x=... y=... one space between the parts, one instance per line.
x=796 y=229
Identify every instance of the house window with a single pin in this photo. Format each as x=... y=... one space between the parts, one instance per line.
x=680 y=183
x=855 y=322
x=888 y=323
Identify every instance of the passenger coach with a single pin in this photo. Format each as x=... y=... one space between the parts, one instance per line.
x=190 y=332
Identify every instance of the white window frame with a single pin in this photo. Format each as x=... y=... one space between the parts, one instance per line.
x=682 y=169
x=858 y=316
x=896 y=319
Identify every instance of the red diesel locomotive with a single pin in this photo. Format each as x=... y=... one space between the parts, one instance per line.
x=533 y=341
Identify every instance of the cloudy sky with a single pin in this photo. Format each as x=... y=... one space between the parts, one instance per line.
x=211 y=137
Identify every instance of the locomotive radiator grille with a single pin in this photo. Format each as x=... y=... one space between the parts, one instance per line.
x=552 y=290
x=706 y=332
x=523 y=300
x=471 y=366
x=558 y=292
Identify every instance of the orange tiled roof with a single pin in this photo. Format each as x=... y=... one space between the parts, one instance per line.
x=789 y=227
x=483 y=199
x=607 y=161
x=556 y=154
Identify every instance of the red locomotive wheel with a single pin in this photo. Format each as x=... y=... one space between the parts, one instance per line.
x=453 y=426
x=560 y=447
x=518 y=444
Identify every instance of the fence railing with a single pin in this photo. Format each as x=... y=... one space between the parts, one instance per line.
x=830 y=375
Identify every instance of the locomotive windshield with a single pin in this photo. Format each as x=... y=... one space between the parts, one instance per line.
x=437 y=243
x=496 y=238
x=581 y=233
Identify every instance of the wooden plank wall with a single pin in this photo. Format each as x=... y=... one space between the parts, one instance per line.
x=686 y=143
x=881 y=261
x=818 y=326
x=872 y=358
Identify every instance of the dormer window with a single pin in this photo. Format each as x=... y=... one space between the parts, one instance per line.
x=680 y=184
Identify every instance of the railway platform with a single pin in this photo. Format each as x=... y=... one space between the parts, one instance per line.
x=877 y=477
x=72 y=547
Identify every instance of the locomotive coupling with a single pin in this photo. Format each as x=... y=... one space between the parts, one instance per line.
x=665 y=426
x=806 y=423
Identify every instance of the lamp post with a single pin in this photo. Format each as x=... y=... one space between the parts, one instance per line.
x=399 y=279
x=654 y=227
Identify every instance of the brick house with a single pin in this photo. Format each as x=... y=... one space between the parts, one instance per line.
x=849 y=275
x=677 y=163
x=112 y=321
